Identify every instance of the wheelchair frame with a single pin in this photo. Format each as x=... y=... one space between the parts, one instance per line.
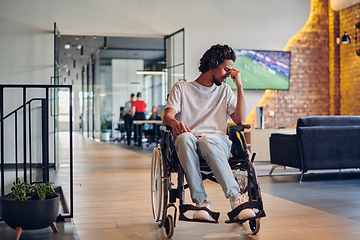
x=163 y=196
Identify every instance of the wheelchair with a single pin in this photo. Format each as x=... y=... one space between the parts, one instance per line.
x=164 y=194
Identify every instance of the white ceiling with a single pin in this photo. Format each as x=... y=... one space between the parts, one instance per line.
x=151 y=50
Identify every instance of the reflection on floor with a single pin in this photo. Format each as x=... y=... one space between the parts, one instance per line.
x=112 y=201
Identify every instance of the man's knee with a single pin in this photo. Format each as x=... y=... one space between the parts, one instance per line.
x=184 y=139
x=213 y=146
x=207 y=141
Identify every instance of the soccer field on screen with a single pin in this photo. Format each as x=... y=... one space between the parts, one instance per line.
x=255 y=75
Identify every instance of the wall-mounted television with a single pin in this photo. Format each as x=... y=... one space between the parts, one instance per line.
x=262 y=70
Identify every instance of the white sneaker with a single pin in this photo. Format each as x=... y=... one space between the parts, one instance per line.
x=245 y=213
x=202 y=214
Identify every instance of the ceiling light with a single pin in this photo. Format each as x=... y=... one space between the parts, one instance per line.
x=78 y=46
x=150 y=72
x=67 y=46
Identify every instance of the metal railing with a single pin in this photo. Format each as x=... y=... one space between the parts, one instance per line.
x=30 y=165
x=27 y=163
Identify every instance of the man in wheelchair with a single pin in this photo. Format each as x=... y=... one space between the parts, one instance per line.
x=197 y=112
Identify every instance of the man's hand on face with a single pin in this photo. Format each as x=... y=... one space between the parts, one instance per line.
x=180 y=128
x=236 y=77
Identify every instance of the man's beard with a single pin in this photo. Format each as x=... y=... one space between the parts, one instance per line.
x=217 y=82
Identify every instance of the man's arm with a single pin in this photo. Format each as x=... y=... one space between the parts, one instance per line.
x=169 y=120
x=132 y=111
x=240 y=111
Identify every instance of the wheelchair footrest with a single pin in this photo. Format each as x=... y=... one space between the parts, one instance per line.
x=187 y=207
x=254 y=204
x=260 y=214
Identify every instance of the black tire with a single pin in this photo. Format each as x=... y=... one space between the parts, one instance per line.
x=159 y=186
x=255 y=225
x=169 y=226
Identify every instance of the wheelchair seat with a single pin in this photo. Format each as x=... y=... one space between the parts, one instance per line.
x=164 y=196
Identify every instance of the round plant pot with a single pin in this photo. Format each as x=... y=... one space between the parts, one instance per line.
x=30 y=214
x=105 y=136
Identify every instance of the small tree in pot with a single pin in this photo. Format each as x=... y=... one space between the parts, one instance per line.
x=30 y=207
x=105 y=134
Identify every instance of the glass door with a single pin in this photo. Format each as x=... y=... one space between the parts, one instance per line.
x=175 y=57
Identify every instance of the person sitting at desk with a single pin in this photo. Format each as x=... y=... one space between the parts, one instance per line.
x=152 y=132
x=138 y=113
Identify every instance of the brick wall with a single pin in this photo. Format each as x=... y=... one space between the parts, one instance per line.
x=309 y=93
x=350 y=63
x=334 y=62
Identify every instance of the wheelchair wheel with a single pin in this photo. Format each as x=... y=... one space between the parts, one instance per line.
x=159 y=186
x=169 y=226
x=255 y=225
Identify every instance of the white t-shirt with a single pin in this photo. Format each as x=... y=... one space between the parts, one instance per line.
x=127 y=107
x=202 y=109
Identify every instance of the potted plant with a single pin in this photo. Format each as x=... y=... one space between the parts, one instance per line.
x=30 y=207
x=105 y=135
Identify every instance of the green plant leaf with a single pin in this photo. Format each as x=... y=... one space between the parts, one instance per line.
x=23 y=190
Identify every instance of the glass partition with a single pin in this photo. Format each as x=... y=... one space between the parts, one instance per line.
x=175 y=57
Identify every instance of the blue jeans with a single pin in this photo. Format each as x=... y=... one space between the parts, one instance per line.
x=215 y=149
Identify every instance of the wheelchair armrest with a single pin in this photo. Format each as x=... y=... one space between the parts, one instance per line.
x=165 y=128
x=239 y=127
x=239 y=148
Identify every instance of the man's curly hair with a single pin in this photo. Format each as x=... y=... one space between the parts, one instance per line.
x=217 y=53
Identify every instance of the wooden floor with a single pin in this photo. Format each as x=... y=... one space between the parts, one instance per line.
x=112 y=201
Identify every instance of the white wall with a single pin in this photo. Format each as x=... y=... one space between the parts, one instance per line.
x=26 y=40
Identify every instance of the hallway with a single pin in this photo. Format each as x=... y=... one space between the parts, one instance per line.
x=112 y=201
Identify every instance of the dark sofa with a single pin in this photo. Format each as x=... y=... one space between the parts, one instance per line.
x=320 y=142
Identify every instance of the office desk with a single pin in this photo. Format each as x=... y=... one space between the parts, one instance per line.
x=157 y=122
x=139 y=125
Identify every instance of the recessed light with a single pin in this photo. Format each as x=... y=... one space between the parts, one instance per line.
x=78 y=46
x=67 y=46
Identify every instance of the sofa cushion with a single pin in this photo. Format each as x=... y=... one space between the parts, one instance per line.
x=328 y=121
x=329 y=147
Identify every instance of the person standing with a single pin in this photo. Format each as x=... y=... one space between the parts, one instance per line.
x=138 y=113
x=128 y=121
